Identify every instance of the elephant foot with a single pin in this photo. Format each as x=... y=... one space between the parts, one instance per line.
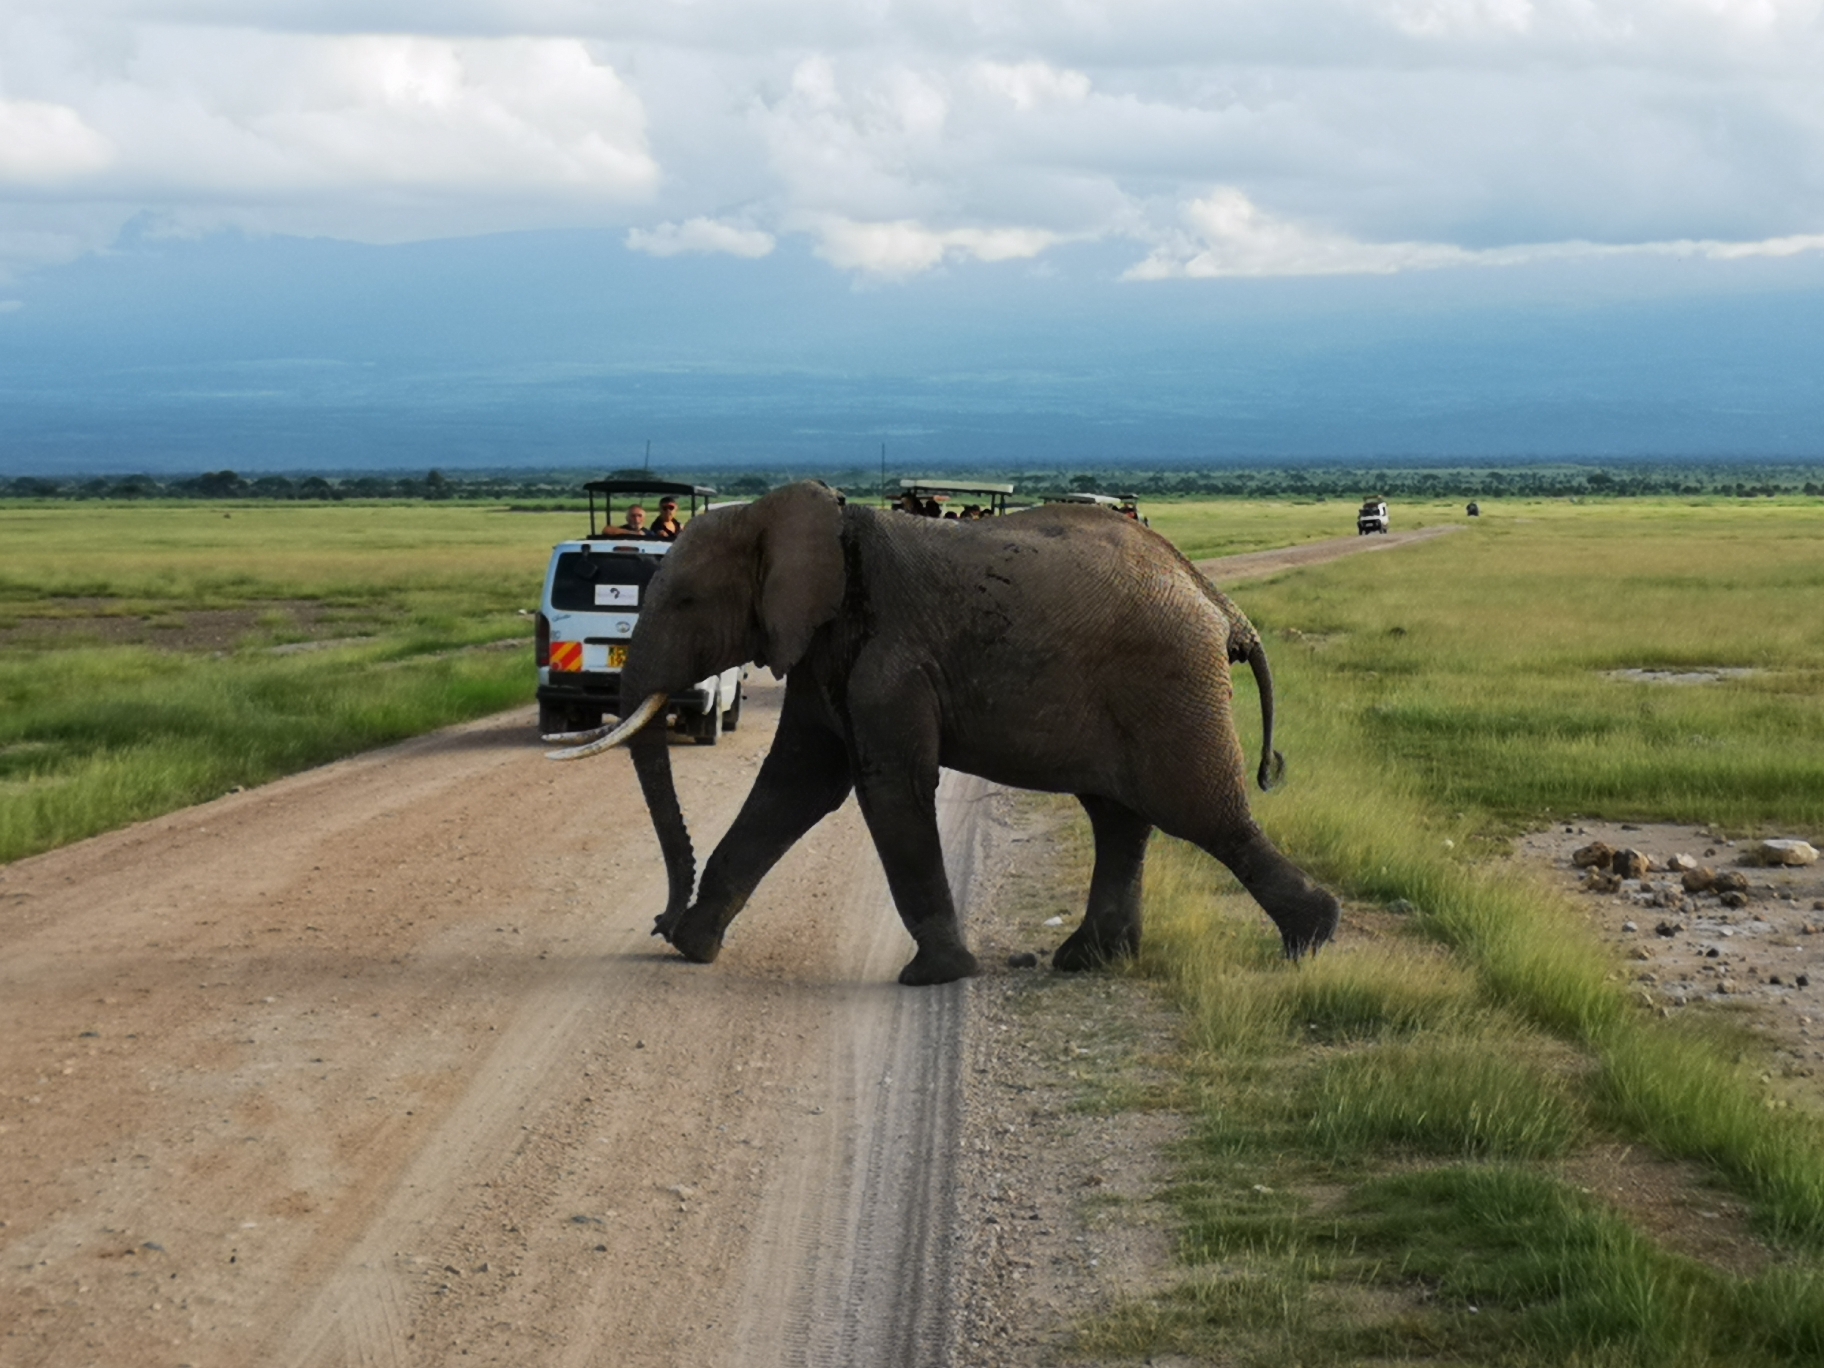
x=946 y=965
x=1313 y=926
x=690 y=937
x=1082 y=952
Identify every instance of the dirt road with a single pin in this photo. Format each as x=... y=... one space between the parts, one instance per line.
x=1253 y=565
x=379 y=1064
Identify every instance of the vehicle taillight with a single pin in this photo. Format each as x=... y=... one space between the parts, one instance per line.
x=541 y=647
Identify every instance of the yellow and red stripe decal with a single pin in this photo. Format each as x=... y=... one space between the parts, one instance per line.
x=567 y=655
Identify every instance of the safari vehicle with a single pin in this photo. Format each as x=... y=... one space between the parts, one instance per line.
x=991 y=497
x=1372 y=517
x=1127 y=505
x=591 y=602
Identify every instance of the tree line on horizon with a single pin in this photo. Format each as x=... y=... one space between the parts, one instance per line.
x=1568 y=480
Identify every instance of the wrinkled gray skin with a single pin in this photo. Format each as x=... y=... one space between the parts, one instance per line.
x=1066 y=649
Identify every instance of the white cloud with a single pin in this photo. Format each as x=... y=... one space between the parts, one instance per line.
x=43 y=144
x=1250 y=137
x=906 y=248
x=700 y=235
x=1226 y=235
x=1031 y=84
x=258 y=116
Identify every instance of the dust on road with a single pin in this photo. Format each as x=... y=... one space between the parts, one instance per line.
x=380 y=1064
x=1254 y=565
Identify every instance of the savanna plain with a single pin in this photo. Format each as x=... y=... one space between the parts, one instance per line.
x=1459 y=1135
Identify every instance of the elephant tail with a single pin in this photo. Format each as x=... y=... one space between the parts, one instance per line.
x=1272 y=763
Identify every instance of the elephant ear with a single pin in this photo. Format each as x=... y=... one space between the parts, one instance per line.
x=801 y=569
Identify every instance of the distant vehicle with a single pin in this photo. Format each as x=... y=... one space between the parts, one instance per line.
x=1372 y=517
x=1128 y=505
x=990 y=497
x=591 y=601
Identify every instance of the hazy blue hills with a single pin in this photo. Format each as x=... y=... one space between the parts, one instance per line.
x=554 y=349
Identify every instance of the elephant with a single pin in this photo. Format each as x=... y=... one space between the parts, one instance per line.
x=1065 y=649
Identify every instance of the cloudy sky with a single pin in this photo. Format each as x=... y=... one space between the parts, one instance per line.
x=1046 y=168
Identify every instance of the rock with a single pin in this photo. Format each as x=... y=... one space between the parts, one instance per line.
x=1403 y=907
x=1803 y=980
x=1731 y=881
x=1601 y=881
x=1781 y=853
x=1631 y=864
x=1596 y=855
x=1629 y=926
x=1028 y=960
x=1667 y=929
x=1735 y=899
x=1682 y=861
x=1699 y=880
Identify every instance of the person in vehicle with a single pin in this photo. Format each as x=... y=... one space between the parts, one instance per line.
x=931 y=509
x=668 y=526
x=908 y=503
x=634 y=527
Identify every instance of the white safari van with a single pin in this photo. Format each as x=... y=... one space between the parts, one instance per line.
x=591 y=601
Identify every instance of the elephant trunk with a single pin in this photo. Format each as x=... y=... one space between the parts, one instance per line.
x=651 y=751
x=1272 y=763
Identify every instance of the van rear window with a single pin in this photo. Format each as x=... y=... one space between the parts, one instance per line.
x=573 y=587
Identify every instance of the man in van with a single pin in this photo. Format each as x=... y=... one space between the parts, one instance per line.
x=635 y=526
x=668 y=526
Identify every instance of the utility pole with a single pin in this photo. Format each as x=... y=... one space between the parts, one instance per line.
x=649 y=455
x=883 y=474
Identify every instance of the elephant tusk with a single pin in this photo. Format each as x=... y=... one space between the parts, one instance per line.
x=653 y=705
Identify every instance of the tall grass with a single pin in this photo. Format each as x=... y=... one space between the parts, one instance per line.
x=1478 y=664
x=115 y=736
x=94 y=735
x=1439 y=1070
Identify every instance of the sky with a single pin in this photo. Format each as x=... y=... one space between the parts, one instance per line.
x=277 y=234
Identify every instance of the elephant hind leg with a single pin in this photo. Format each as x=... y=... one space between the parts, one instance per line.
x=1111 y=925
x=1305 y=914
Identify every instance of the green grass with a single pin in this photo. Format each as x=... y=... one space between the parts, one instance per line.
x=1381 y=1169
x=1478 y=663
x=97 y=731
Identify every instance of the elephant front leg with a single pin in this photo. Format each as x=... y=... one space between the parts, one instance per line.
x=1111 y=926
x=893 y=729
x=804 y=779
x=902 y=817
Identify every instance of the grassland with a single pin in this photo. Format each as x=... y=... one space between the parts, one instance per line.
x=155 y=656
x=1392 y=1135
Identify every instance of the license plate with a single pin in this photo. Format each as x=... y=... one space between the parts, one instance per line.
x=617 y=657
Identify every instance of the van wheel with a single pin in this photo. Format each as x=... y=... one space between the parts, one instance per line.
x=565 y=717
x=731 y=720
x=707 y=730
